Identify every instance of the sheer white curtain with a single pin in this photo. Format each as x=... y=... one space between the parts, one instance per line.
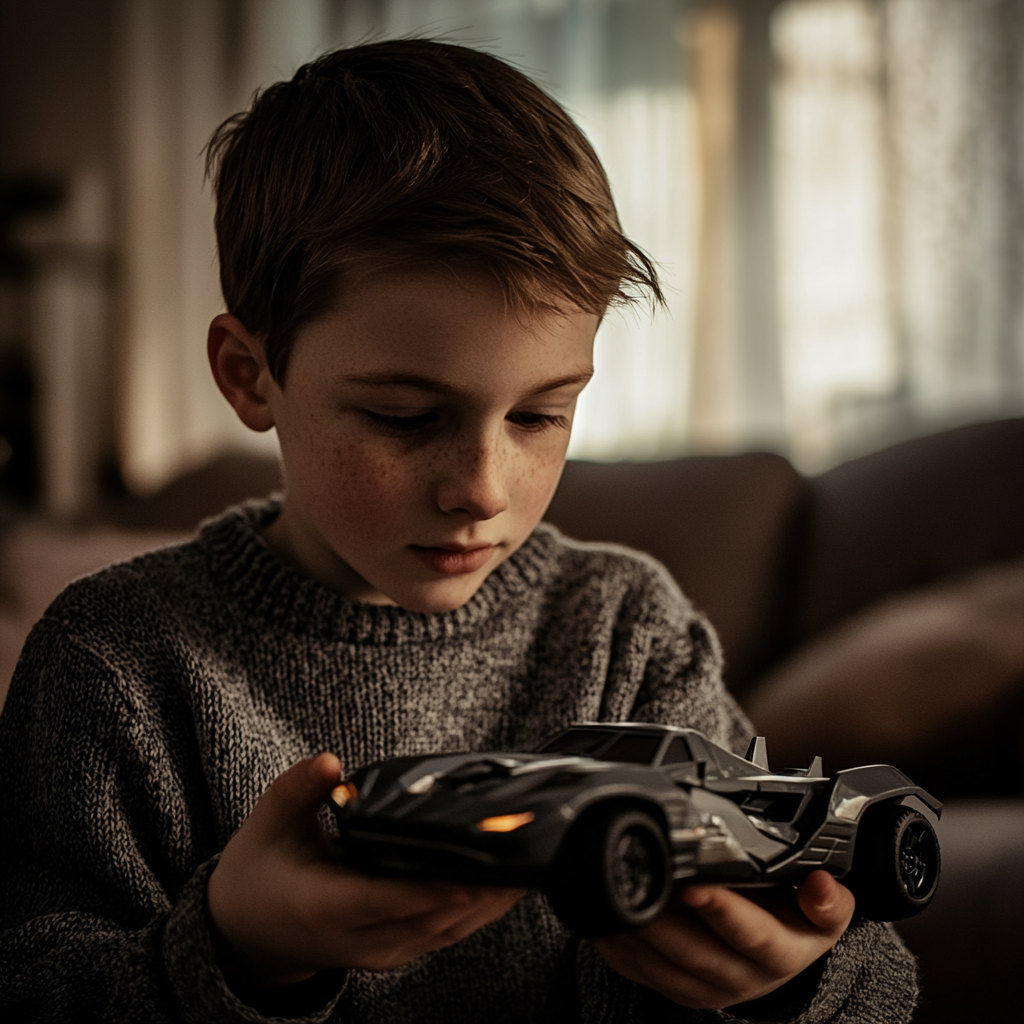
x=186 y=65
x=956 y=107
x=616 y=65
x=898 y=134
x=836 y=299
x=831 y=188
x=619 y=69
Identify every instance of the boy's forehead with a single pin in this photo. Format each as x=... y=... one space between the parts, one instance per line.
x=430 y=332
x=425 y=314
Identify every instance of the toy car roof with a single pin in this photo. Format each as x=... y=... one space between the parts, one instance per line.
x=641 y=726
x=756 y=754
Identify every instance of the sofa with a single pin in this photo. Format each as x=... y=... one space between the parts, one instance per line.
x=871 y=613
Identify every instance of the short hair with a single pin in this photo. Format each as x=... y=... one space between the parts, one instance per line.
x=411 y=152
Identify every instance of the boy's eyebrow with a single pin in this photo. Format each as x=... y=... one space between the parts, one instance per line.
x=412 y=380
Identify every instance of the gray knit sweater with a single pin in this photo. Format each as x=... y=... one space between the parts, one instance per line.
x=156 y=700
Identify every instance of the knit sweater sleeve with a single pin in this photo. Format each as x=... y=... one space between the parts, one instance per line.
x=869 y=976
x=102 y=889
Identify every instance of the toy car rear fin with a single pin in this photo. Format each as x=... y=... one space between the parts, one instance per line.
x=757 y=752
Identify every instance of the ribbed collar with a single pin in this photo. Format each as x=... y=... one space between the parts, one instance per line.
x=267 y=590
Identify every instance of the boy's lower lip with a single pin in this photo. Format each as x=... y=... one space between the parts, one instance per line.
x=454 y=563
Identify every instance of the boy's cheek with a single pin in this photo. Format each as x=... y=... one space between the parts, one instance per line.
x=538 y=481
x=535 y=497
x=354 y=490
x=361 y=495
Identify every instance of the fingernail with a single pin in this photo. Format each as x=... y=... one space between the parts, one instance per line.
x=696 y=896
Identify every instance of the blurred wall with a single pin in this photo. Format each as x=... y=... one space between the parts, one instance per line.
x=56 y=84
x=832 y=185
x=58 y=112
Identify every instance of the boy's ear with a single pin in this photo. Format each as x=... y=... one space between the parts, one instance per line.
x=240 y=369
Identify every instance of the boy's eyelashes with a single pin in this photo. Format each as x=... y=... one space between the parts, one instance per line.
x=537 y=420
x=404 y=425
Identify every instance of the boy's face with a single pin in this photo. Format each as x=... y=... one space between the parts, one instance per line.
x=423 y=430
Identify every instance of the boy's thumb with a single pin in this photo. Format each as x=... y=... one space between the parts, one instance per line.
x=826 y=903
x=298 y=792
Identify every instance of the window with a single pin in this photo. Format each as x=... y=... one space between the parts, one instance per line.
x=633 y=748
x=579 y=742
x=678 y=752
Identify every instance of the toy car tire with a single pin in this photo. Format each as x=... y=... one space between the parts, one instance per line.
x=896 y=863
x=614 y=872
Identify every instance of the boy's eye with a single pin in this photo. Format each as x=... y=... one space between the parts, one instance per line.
x=402 y=424
x=536 y=420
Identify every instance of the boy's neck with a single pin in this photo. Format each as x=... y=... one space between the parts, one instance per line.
x=299 y=549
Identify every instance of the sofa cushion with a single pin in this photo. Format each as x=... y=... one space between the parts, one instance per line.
x=931 y=680
x=39 y=559
x=909 y=515
x=203 y=491
x=723 y=525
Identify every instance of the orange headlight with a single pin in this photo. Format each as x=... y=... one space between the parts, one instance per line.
x=343 y=793
x=505 y=822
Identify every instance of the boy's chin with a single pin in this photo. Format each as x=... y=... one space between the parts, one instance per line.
x=439 y=596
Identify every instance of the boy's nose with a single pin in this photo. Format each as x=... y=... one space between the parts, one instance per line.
x=474 y=483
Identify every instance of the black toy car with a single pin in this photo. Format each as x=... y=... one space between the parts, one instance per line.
x=606 y=817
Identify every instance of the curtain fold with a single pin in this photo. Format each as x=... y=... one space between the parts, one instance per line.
x=831 y=188
x=899 y=126
x=621 y=70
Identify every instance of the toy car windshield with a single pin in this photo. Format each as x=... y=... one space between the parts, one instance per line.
x=624 y=748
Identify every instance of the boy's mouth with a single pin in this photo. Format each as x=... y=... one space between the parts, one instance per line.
x=454 y=559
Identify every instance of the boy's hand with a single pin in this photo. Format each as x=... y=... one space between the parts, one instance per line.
x=283 y=909
x=715 y=948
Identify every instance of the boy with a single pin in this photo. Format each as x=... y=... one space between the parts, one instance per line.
x=416 y=247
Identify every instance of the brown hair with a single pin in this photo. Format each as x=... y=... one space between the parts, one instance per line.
x=411 y=152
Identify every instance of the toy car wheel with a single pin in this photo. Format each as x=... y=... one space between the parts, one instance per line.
x=613 y=873
x=896 y=863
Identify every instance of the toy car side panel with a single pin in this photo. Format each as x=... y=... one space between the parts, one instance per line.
x=433 y=834
x=749 y=849
x=648 y=788
x=856 y=789
x=830 y=845
x=521 y=858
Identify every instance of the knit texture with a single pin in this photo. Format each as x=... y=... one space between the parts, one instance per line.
x=156 y=700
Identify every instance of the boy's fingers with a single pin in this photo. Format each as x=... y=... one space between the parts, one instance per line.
x=686 y=940
x=747 y=928
x=326 y=769
x=395 y=901
x=495 y=909
x=826 y=903
x=387 y=944
x=452 y=924
x=356 y=901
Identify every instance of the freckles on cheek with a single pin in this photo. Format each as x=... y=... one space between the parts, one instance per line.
x=535 y=484
x=356 y=488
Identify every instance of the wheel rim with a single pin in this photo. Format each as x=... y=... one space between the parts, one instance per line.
x=633 y=871
x=916 y=860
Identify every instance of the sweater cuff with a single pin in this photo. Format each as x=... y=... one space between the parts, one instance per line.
x=788 y=1001
x=203 y=995
x=869 y=975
